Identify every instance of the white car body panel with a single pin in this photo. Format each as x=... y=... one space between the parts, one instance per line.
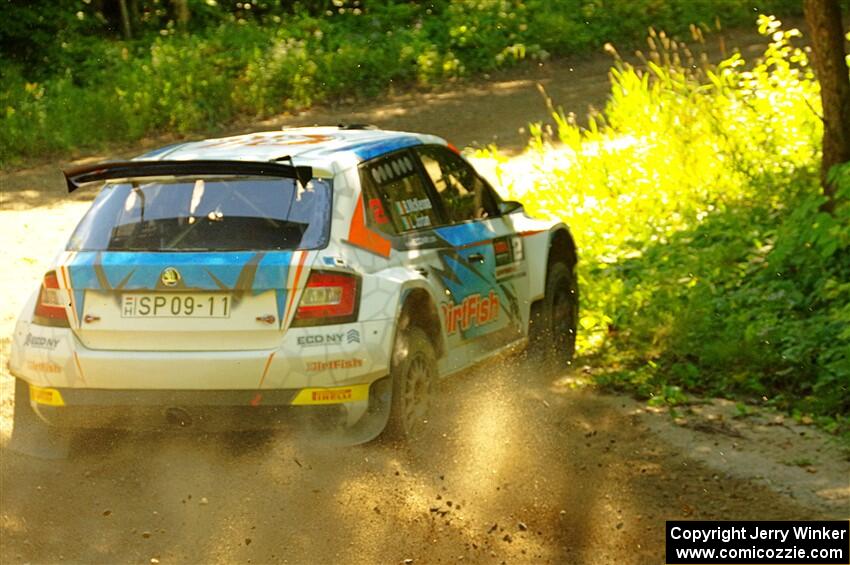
x=117 y=353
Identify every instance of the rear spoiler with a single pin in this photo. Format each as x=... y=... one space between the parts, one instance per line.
x=77 y=176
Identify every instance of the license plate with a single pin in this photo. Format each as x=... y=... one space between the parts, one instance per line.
x=176 y=305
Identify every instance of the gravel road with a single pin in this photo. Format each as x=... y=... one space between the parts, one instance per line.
x=515 y=467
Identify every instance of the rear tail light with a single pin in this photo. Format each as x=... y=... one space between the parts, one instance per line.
x=328 y=298
x=50 y=308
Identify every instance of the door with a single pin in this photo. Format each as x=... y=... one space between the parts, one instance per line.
x=484 y=262
x=402 y=203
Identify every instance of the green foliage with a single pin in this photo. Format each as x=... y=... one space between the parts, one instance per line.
x=180 y=87
x=32 y=33
x=707 y=264
x=568 y=26
x=65 y=86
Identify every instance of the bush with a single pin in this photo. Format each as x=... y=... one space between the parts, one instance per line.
x=80 y=90
x=707 y=264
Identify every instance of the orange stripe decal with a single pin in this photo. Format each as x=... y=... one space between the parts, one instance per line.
x=294 y=289
x=361 y=236
x=266 y=368
x=66 y=280
x=79 y=367
x=530 y=232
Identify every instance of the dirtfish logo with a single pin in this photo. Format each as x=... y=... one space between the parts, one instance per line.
x=474 y=311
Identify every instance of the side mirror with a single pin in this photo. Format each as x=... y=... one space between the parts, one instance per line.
x=509 y=207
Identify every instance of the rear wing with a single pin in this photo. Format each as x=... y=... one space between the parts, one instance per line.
x=77 y=176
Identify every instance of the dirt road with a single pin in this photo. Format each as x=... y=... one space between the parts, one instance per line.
x=514 y=468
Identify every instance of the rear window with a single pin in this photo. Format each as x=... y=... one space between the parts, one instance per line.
x=207 y=214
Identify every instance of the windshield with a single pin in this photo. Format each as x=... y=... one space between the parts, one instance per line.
x=206 y=214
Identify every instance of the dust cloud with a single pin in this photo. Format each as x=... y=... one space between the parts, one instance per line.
x=512 y=467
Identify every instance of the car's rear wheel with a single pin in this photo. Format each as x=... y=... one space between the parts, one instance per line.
x=552 y=334
x=413 y=373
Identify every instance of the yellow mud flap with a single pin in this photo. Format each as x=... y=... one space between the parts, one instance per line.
x=46 y=396
x=333 y=395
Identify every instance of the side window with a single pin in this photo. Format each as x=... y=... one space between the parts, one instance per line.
x=463 y=194
x=395 y=195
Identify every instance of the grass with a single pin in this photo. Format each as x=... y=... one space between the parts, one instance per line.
x=707 y=266
x=83 y=91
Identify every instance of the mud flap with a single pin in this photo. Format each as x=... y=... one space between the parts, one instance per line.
x=365 y=421
x=31 y=436
x=355 y=411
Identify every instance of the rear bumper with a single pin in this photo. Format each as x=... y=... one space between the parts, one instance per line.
x=200 y=418
x=54 y=357
x=328 y=373
x=214 y=410
x=80 y=397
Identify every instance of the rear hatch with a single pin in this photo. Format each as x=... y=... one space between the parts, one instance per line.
x=194 y=263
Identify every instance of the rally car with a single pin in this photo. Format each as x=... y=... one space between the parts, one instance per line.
x=339 y=270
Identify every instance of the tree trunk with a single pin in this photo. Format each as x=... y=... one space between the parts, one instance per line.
x=125 y=19
x=181 y=12
x=827 y=36
x=133 y=8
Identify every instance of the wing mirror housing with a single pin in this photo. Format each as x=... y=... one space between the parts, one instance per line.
x=510 y=206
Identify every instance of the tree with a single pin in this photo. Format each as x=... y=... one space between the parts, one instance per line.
x=826 y=31
x=125 y=19
x=32 y=32
x=181 y=12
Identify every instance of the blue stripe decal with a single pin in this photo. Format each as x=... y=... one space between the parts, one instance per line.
x=273 y=270
x=280 y=295
x=247 y=271
x=371 y=149
x=464 y=279
x=464 y=234
x=79 y=302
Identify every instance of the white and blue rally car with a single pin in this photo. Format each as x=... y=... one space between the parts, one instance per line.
x=235 y=280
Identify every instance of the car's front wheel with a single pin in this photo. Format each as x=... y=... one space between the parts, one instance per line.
x=413 y=374
x=552 y=334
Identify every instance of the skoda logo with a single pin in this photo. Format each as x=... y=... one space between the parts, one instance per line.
x=170 y=276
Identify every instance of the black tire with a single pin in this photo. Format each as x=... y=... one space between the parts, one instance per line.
x=413 y=372
x=552 y=329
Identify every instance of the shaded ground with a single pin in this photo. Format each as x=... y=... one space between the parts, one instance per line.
x=515 y=467
x=513 y=470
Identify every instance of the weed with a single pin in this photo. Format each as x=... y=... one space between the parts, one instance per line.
x=695 y=202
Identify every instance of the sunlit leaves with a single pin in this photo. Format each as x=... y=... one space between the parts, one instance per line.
x=706 y=261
